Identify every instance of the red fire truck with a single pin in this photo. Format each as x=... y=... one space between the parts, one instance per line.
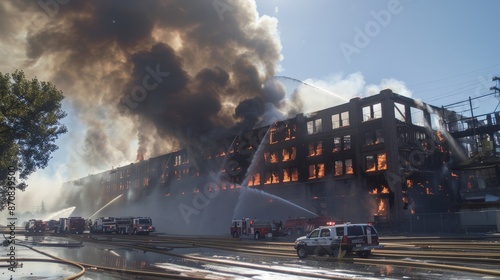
x=71 y=225
x=34 y=225
x=252 y=228
x=303 y=225
x=134 y=225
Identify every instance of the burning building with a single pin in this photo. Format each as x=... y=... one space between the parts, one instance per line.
x=378 y=158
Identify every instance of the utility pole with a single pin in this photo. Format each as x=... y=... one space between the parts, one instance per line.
x=474 y=126
x=496 y=88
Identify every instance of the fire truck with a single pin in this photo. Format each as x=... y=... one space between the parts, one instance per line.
x=252 y=228
x=303 y=225
x=134 y=225
x=104 y=225
x=34 y=225
x=71 y=225
x=52 y=225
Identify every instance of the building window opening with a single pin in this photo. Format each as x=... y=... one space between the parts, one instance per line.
x=379 y=136
x=314 y=126
x=272 y=177
x=377 y=111
x=289 y=153
x=339 y=167
x=348 y=166
x=254 y=180
x=344 y=118
x=347 y=142
x=271 y=157
x=290 y=175
x=368 y=138
x=374 y=137
x=274 y=157
x=370 y=163
x=417 y=116
x=372 y=112
x=400 y=112
x=178 y=160
x=376 y=162
x=316 y=171
x=337 y=144
x=381 y=161
x=340 y=120
x=315 y=148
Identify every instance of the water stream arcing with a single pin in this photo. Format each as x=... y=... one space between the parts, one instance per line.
x=107 y=204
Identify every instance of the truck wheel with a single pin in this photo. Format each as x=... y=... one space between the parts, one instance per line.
x=289 y=232
x=299 y=231
x=257 y=235
x=135 y=232
x=301 y=252
x=235 y=234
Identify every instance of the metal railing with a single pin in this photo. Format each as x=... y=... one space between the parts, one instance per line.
x=447 y=223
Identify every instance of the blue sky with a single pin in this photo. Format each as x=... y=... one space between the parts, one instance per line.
x=444 y=51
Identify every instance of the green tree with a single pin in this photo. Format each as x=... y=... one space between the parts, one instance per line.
x=30 y=111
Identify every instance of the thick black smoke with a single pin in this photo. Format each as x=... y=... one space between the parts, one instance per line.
x=181 y=73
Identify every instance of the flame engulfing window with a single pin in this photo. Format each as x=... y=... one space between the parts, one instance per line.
x=339 y=167
x=375 y=162
x=283 y=132
x=254 y=180
x=316 y=171
x=272 y=177
x=315 y=148
x=343 y=167
x=314 y=126
x=289 y=153
x=271 y=157
x=290 y=175
x=381 y=162
x=348 y=166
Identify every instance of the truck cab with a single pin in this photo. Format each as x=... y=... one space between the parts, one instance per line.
x=142 y=225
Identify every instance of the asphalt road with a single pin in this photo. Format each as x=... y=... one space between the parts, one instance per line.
x=228 y=266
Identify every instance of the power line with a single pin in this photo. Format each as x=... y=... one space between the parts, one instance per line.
x=454 y=76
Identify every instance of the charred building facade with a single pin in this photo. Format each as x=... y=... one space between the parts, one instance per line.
x=378 y=158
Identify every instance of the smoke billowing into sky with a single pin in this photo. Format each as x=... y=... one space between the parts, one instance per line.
x=143 y=78
x=169 y=70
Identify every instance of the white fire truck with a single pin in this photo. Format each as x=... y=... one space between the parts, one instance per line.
x=134 y=225
x=104 y=225
x=252 y=228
